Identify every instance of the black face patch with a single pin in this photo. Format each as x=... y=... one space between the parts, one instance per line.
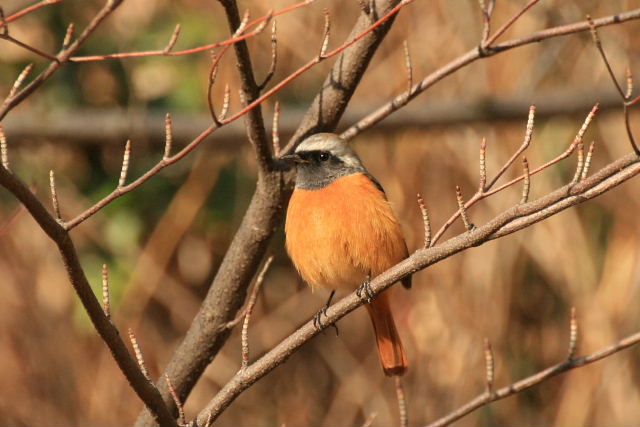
x=320 y=168
x=316 y=156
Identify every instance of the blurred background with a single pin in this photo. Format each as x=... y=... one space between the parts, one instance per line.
x=164 y=242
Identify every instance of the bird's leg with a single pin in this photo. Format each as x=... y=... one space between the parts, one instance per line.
x=364 y=290
x=317 y=319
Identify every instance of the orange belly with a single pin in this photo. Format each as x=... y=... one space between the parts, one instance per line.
x=339 y=234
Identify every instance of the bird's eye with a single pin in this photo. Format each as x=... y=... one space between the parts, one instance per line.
x=323 y=157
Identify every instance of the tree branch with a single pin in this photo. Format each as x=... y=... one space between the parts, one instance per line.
x=510 y=221
x=207 y=333
x=473 y=55
x=108 y=332
x=537 y=378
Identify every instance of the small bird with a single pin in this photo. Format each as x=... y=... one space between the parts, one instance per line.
x=341 y=231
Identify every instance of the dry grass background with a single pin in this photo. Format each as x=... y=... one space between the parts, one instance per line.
x=164 y=241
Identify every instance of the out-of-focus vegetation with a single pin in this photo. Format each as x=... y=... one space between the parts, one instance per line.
x=164 y=241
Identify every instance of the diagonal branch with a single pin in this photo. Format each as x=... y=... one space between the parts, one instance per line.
x=108 y=332
x=510 y=221
x=537 y=378
x=472 y=56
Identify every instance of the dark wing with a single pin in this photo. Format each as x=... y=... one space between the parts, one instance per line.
x=406 y=282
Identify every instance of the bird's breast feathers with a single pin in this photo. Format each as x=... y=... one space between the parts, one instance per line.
x=338 y=234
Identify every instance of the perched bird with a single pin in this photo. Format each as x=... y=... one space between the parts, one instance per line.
x=341 y=230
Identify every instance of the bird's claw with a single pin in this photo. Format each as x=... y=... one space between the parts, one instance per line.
x=317 y=318
x=364 y=290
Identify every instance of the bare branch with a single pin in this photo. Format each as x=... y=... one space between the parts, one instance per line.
x=483 y=165
x=573 y=335
x=463 y=210
x=138 y=353
x=176 y=400
x=247 y=317
x=173 y=40
x=509 y=23
x=473 y=55
x=105 y=291
x=489 y=365
x=425 y=221
x=526 y=186
x=168 y=136
x=28 y=10
x=68 y=36
x=125 y=164
x=54 y=195
x=18 y=83
x=402 y=403
x=580 y=165
x=587 y=162
x=4 y=151
x=275 y=135
x=274 y=58
x=325 y=34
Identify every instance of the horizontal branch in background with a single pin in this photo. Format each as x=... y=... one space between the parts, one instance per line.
x=111 y=127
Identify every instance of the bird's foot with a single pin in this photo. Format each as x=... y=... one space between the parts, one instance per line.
x=317 y=319
x=364 y=291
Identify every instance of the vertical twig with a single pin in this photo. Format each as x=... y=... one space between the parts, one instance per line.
x=580 y=165
x=275 y=134
x=526 y=185
x=325 y=38
x=402 y=403
x=174 y=38
x=4 y=151
x=483 y=165
x=138 y=353
x=18 y=83
x=573 y=335
x=274 y=58
x=489 y=365
x=168 y=136
x=176 y=400
x=409 y=68
x=125 y=164
x=54 y=195
x=426 y=222
x=226 y=100
x=587 y=161
x=250 y=304
x=68 y=36
x=105 y=291
x=463 y=210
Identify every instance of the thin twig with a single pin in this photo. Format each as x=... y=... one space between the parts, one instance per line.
x=526 y=185
x=54 y=195
x=509 y=23
x=580 y=165
x=168 y=136
x=274 y=58
x=402 y=403
x=27 y=10
x=125 y=164
x=18 y=83
x=587 y=161
x=483 y=165
x=426 y=222
x=275 y=134
x=106 y=304
x=250 y=304
x=4 y=151
x=71 y=29
x=573 y=335
x=462 y=209
x=138 y=354
x=173 y=40
x=408 y=67
x=489 y=365
x=325 y=34
x=176 y=400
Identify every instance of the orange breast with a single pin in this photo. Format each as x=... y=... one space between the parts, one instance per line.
x=338 y=234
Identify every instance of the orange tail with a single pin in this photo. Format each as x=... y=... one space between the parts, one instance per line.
x=392 y=355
